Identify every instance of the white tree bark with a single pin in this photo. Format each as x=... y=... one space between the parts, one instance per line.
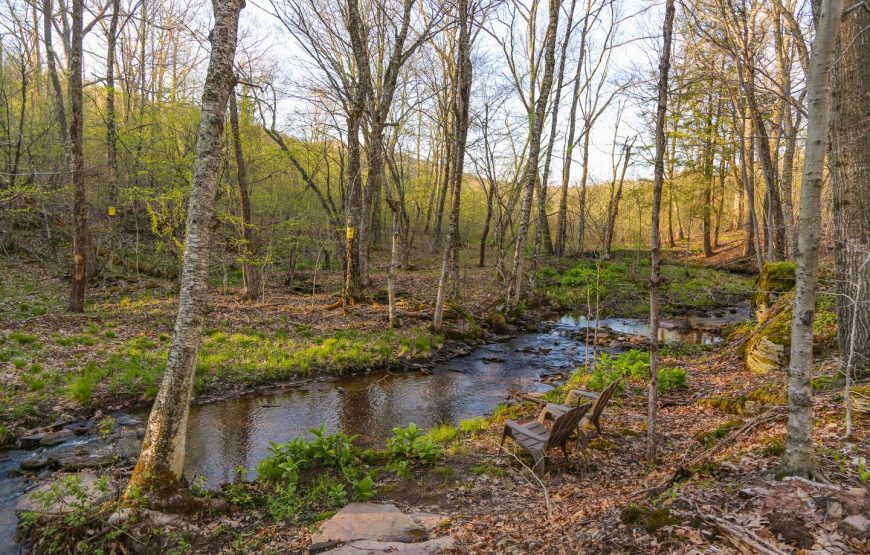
x=798 y=456
x=161 y=464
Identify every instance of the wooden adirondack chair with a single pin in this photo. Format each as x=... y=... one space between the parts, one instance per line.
x=553 y=410
x=536 y=439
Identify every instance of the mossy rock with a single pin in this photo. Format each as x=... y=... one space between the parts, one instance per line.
x=769 y=345
x=776 y=278
x=497 y=322
x=650 y=518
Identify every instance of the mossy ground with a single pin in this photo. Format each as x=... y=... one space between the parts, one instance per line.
x=621 y=287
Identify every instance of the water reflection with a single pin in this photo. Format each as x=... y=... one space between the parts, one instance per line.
x=224 y=435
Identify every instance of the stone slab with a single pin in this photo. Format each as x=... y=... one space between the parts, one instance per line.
x=372 y=547
x=368 y=521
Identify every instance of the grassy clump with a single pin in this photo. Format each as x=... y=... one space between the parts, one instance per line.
x=442 y=433
x=472 y=425
x=632 y=366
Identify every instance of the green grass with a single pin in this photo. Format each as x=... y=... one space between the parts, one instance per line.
x=472 y=425
x=622 y=287
x=442 y=433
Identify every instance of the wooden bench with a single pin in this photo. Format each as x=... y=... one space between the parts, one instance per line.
x=536 y=439
x=555 y=411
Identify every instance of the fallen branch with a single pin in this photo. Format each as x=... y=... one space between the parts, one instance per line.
x=740 y=536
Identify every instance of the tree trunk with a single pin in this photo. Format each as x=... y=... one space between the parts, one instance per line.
x=111 y=130
x=490 y=197
x=353 y=282
x=532 y=165
x=613 y=210
x=160 y=466
x=543 y=222
x=850 y=173
x=655 y=244
x=798 y=456
x=76 y=160
x=461 y=119
x=250 y=272
x=391 y=273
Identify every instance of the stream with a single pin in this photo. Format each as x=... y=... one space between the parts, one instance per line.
x=236 y=432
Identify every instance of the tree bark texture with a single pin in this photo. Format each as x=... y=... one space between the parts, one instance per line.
x=161 y=463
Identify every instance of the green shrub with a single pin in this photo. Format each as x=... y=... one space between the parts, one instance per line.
x=407 y=444
x=671 y=378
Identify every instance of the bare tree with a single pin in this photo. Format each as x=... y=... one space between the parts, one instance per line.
x=250 y=272
x=460 y=103
x=655 y=244
x=532 y=164
x=161 y=463
x=798 y=456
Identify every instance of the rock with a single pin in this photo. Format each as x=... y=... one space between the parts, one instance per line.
x=128 y=447
x=857 y=526
x=372 y=547
x=56 y=438
x=753 y=491
x=80 y=462
x=90 y=484
x=28 y=442
x=834 y=510
x=368 y=521
x=34 y=463
x=119 y=517
x=429 y=521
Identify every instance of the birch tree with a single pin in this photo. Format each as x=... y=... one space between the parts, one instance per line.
x=798 y=456
x=161 y=462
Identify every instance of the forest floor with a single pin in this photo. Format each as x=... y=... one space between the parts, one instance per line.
x=712 y=488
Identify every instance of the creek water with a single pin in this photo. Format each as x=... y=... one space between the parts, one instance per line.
x=227 y=434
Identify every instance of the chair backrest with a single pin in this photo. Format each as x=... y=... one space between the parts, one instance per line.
x=566 y=424
x=603 y=398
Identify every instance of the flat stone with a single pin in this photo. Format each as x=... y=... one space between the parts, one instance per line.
x=368 y=521
x=80 y=462
x=67 y=503
x=857 y=526
x=372 y=547
x=429 y=521
x=32 y=440
x=56 y=438
x=35 y=463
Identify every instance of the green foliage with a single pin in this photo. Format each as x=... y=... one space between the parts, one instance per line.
x=621 y=287
x=776 y=277
x=631 y=366
x=328 y=456
x=442 y=433
x=407 y=444
x=472 y=425
x=23 y=338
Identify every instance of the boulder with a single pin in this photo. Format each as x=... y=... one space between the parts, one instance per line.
x=34 y=463
x=857 y=526
x=368 y=521
x=56 y=438
x=75 y=463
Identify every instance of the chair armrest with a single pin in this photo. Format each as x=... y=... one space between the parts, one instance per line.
x=587 y=394
x=519 y=428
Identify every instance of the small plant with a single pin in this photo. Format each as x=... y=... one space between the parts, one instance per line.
x=671 y=378
x=23 y=338
x=364 y=488
x=106 y=426
x=406 y=443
